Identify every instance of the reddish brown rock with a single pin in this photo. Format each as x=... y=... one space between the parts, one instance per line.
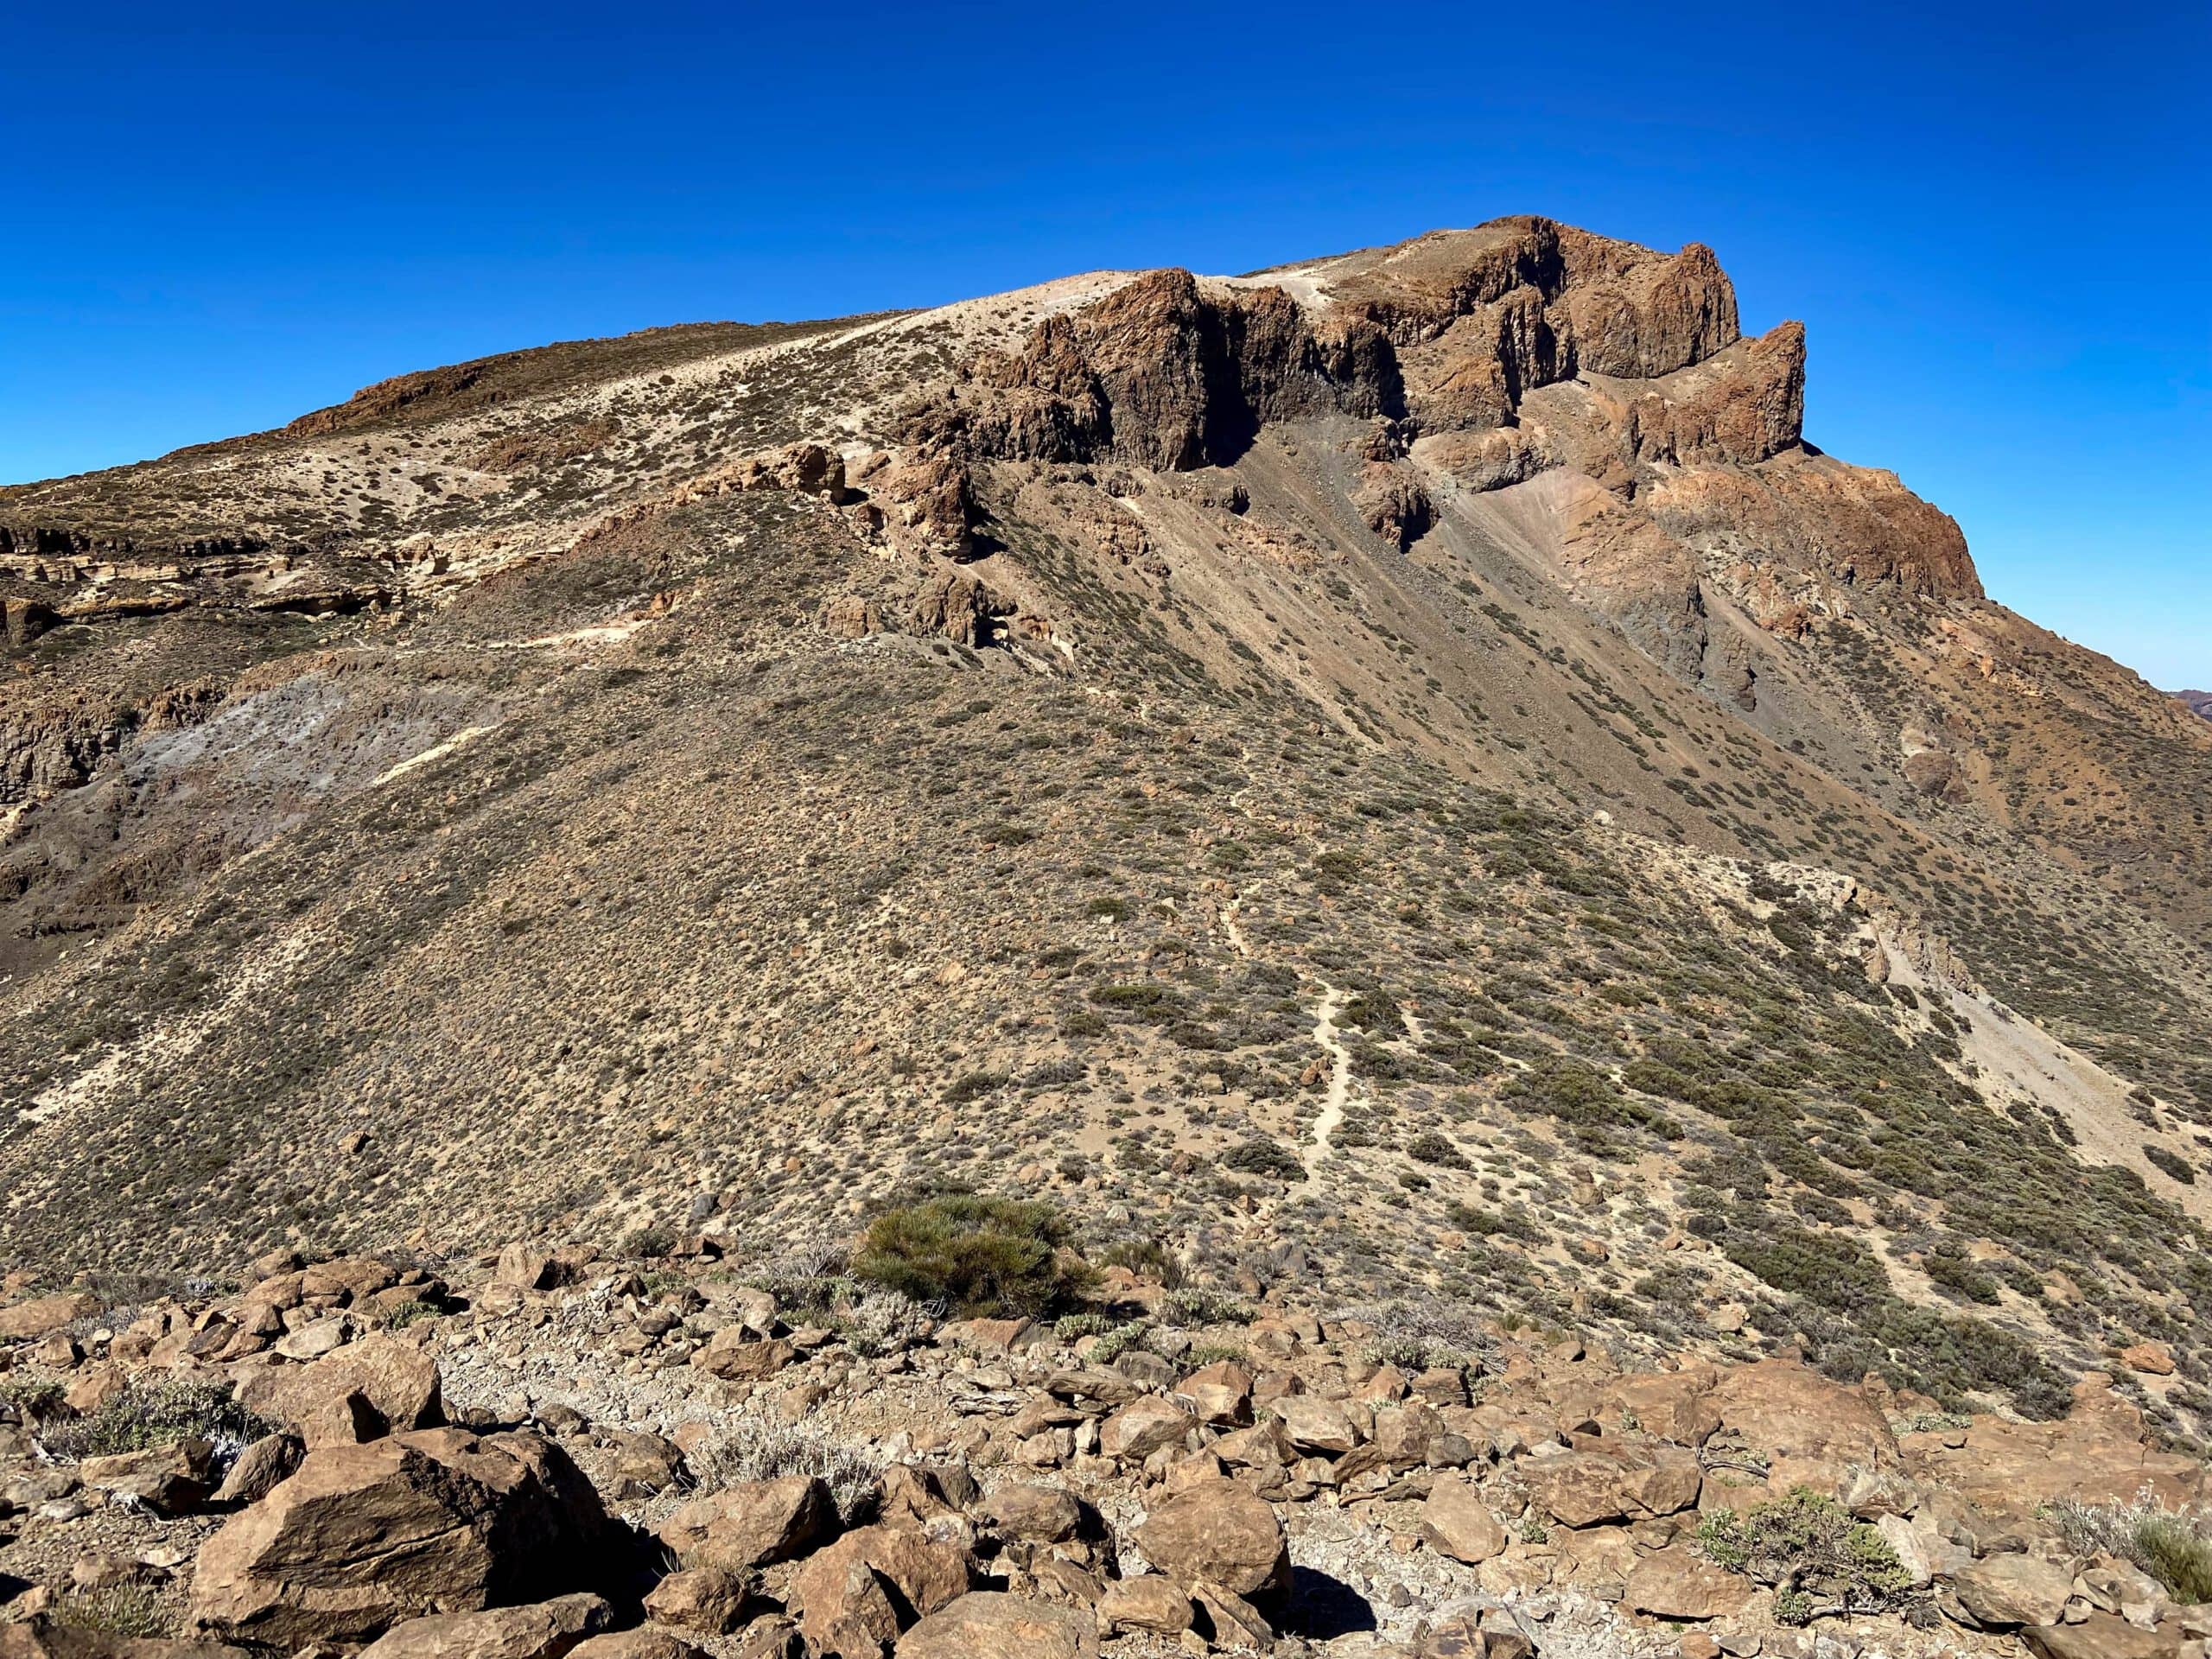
x=1455 y=1521
x=43 y=1315
x=1142 y=1427
x=434 y=1521
x=1216 y=1531
x=709 y=1599
x=752 y=1524
x=379 y=1385
x=1679 y=1583
x=990 y=1625
x=546 y=1630
x=1585 y=1488
x=1150 y=1603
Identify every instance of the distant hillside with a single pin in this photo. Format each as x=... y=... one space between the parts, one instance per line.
x=1402 y=775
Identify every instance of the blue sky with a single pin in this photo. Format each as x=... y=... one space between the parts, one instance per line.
x=1992 y=220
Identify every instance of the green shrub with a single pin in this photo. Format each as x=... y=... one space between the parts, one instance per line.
x=1430 y=1146
x=1194 y=1306
x=2171 y=1163
x=158 y=1414
x=973 y=1086
x=1818 y=1560
x=32 y=1399
x=980 y=1256
x=1261 y=1156
x=1147 y=1257
x=2169 y=1546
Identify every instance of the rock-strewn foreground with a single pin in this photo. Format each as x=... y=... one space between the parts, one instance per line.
x=1397 y=790
x=654 y=1458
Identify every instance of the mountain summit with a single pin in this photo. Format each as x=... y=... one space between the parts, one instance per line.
x=1402 y=775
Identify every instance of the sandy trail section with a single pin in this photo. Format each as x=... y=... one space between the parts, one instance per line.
x=1331 y=1114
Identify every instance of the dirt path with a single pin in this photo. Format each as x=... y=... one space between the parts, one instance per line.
x=1235 y=934
x=1333 y=1105
x=1331 y=1114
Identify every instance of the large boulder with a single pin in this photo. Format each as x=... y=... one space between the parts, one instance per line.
x=2098 y=1453
x=752 y=1524
x=547 y=1629
x=432 y=1522
x=1624 y=1483
x=1455 y=1521
x=2004 y=1591
x=43 y=1315
x=990 y=1625
x=856 y=1595
x=1217 y=1532
x=379 y=1385
x=2100 y=1636
x=1678 y=1583
x=1787 y=1410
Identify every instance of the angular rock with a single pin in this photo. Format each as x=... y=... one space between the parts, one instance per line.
x=844 y=1592
x=709 y=1599
x=2100 y=1635
x=44 y=1315
x=1678 y=1583
x=1217 y=1532
x=261 y=1468
x=1220 y=1393
x=546 y=1630
x=1227 y=1620
x=1586 y=1487
x=435 y=1520
x=2005 y=1591
x=170 y=1480
x=735 y=1356
x=988 y=1624
x=1316 y=1426
x=845 y=1610
x=752 y=1524
x=1150 y=1603
x=1455 y=1521
x=1144 y=1426
x=379 y=1385
x=1046 y=1514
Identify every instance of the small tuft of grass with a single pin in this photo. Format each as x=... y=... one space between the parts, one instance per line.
x=2170 y=1547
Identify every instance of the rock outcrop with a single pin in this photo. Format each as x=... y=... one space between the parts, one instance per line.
x=434 y=1521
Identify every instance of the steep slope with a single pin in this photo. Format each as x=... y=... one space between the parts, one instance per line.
x=1404 y=771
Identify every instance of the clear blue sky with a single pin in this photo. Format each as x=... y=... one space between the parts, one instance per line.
x=1993 y=220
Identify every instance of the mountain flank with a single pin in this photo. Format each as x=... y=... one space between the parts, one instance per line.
x=1401 y=779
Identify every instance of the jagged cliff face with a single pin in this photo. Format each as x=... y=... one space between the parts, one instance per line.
x=1104 y=739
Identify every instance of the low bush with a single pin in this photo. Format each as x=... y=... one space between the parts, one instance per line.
x=160 y=1413
x=1817 y=1559
x=754 y=1451
x=2170 y=1547
x=976 y=1255
x=1261 y=1156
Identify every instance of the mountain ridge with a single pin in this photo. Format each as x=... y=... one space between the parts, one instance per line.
x=668 y=781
